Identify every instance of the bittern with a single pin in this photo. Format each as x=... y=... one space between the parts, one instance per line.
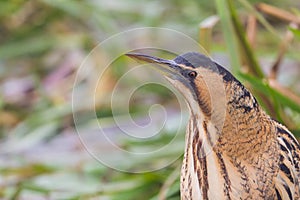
x=234 y=150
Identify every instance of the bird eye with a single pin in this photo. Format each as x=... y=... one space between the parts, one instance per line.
x=192 y=74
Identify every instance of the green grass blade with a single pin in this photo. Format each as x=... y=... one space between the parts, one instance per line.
x=264 y=87
x=228 y=34
x=246 y=51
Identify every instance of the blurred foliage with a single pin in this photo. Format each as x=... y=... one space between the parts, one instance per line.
x=42 y=45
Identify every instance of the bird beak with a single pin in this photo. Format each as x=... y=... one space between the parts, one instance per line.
x=171 y=70
x=168 y=68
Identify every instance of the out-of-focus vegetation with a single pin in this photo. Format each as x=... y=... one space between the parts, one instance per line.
x=42 y=44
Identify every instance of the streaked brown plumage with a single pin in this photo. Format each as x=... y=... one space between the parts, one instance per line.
x=234 y=150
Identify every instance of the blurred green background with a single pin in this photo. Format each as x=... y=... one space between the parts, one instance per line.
x=43 y=43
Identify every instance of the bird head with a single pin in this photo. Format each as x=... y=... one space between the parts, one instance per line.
x=202 y=82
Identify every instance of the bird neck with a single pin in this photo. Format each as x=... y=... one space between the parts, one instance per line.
x=244 y=133
x=201 y=136
x=247 y=130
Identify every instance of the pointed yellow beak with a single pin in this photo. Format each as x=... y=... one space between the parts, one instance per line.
x=168 y=68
